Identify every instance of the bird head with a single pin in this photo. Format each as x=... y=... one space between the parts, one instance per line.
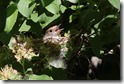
x=53 y=31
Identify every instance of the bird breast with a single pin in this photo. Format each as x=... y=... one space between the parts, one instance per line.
x=52 y=39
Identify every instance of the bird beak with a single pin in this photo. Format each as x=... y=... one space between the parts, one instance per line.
x=62 y=29
x=59 y=27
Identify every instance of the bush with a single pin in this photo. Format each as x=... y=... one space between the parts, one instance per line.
x=91 y=50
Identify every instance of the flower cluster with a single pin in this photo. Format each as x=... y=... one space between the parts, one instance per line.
x=22 y=50
x=8 y=73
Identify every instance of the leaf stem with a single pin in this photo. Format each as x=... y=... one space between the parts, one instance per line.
x=23 y=67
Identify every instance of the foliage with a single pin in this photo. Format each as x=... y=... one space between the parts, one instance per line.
x=93 y=26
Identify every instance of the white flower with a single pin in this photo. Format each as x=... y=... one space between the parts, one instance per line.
x=8 y=73
x=95 y=61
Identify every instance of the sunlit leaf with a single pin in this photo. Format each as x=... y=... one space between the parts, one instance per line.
x=46 y=2
x=24 y=27
x=51 y=19
x=40 y=77
x=62 y=8
x=26 y=7
x=115 y=3
x=34 y=17
x=45 y=20
x=73 y=1
x=12 y=13
x=54 y=7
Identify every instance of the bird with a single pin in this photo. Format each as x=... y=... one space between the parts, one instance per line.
x=53 y=35
x=55 y=40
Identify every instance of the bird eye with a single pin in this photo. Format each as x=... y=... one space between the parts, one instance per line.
x=50 y=30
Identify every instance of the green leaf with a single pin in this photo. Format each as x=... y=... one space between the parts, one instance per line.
x=34 y=17
x=87 y=17
x=51 y=19
x=62 y=8
x=73 y=1
x=109 y=30
x=56 y=73
x=24 y=26
x=12 y=14
x=46 y=2
x=40 y=77
x=5 y=37
x=54 y=7
x=96 y=45
x=108 y=16
x=43 y=18
x=46 y=20
x=26 y=7
x=115 y=3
